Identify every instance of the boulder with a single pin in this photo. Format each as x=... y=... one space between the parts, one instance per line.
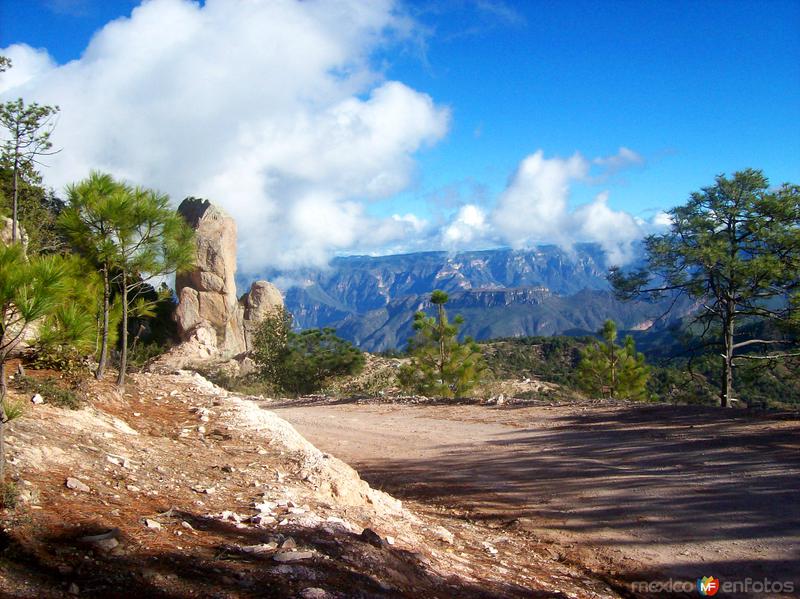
x=6 y=232
x=207 y=294
x=257 y=303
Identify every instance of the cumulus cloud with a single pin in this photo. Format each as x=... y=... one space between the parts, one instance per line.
x=468 y=225
x=661 y=220
x=615 y=230
x=534 y=208
x=27 y=63
x=274 y=111
x=270 y=109
x=534 y=205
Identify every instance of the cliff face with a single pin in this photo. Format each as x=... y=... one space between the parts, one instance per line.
x=501 y=293
x=363 y=283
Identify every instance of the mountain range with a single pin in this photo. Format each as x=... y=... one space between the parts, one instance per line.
x=546 y=290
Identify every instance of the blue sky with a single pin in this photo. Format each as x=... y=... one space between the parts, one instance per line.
x=691 y=89
x=697 y=88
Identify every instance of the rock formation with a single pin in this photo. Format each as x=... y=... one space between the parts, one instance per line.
x=262 y=299
x=6 y=225
x=207 y=294
x=209 y=314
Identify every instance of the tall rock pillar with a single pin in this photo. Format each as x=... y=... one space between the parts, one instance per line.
x=207 y=295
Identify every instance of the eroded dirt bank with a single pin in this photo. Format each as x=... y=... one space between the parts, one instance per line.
x=639 y=493
x=177 y=489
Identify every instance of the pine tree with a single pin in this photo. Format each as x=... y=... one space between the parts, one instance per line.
x=74 y=328
x=606 y=369
x=734 y=248
x=37 y=209
x=132 y=235
x=30 y=289
x=440 y=365
x=29 y=127
x=88 y=222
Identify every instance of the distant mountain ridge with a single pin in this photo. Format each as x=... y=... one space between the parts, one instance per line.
x=545 y=290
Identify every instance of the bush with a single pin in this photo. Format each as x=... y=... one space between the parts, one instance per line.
x=14 y=408
x=302 y=362
x=270 y=344
x=141 y=353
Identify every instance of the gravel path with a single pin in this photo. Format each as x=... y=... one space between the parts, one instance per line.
x=640 y=493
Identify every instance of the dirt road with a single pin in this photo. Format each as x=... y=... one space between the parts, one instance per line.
x=640 y=493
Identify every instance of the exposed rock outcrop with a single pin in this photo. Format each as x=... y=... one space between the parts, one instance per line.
x=211 y=320
x=207 y=294
x=257 y=303
x=6 y=225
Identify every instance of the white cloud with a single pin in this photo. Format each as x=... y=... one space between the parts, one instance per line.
x=614 y=230
x=624 y=158
x=661 y=220
x=411 y=222
x=468 y=225
x=270 y=109
x=534 y=205
x=534 y=209
x=27 y=63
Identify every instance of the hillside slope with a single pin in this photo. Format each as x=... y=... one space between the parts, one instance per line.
x=502 y=293
x=177 y=489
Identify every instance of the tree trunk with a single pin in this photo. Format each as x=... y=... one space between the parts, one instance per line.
x=3 y=392
x=15 y=199
x=726 y=388
x=612 y=350
x=441 y=343
x=2 y=444
x=3 y=380
x=123 y=359
x=101 y=366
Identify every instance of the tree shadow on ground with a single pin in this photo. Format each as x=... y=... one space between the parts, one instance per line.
x=634 y=476
x=153 y=565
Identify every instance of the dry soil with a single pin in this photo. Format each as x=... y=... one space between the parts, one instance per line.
x=637 y=493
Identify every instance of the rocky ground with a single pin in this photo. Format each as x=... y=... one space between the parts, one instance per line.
x=175 y=488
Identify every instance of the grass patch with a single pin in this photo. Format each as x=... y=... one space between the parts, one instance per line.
x=53 y=391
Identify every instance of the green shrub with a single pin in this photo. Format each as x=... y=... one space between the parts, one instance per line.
x=302 y=362
x=14 y=408
x=141 y=353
